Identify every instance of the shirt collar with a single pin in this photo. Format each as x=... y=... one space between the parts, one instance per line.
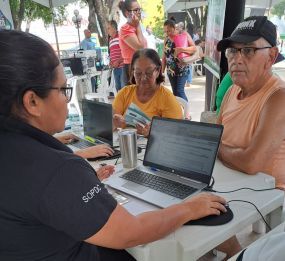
x=14 y=125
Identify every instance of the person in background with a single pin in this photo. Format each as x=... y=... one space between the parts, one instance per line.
x=200 y=44
x=177 y=71
x=181 y=30
x=152 y=41
x=53 y=206
x=197 y=34
x=88 y=44
x=252 y=111
x=130 y=36
x=116 y=60
x=146 y=92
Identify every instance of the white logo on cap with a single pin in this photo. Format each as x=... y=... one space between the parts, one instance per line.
x=246 y=25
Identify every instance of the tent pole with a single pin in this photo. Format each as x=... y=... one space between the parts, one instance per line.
x=54 y=27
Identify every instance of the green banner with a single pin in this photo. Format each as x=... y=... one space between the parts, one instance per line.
x=214 y=33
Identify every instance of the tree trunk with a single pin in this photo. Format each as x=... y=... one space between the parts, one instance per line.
x=28 y=26
x=114 y=11
x=18 y=15
x=92 y=26
x=100 y=12
x=195 y=17
x=204 y=20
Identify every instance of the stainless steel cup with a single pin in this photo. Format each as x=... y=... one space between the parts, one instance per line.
x=128 y=147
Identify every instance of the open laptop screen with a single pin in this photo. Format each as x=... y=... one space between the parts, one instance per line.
x=75 y=65
x=183 y=147
x=97 y=120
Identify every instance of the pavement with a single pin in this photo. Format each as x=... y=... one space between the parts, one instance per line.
x=196 y=96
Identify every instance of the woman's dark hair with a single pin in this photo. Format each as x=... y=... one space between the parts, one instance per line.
x=153 y=56
x=170 y=23
x=197 y=42
x=126 y=6
x=27 y=62
x=114 y=24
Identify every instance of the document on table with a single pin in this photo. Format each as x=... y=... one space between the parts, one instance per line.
x=135 y=116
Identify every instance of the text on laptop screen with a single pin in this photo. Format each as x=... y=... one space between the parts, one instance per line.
x=183 y=147
x=97 y=120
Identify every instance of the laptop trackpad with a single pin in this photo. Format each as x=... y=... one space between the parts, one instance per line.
x=135 y=187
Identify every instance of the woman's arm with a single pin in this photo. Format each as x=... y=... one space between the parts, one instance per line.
x=135 y=41
x=190 y=49
x=124 y=230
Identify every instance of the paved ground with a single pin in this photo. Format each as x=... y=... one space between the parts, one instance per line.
x=196 y=96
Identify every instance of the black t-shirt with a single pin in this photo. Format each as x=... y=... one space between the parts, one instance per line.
x=50 y=199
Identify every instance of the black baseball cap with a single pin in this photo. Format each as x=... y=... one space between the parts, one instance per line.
x=250 y=30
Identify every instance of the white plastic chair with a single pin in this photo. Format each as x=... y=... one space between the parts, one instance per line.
x=104 y=88
x=197 y=68
x=185 y=105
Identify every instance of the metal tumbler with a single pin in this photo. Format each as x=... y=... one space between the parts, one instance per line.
x=128 y=147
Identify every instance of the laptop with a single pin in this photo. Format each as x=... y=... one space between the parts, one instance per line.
x=75 y=65
x=178 y=162
x=97 y=127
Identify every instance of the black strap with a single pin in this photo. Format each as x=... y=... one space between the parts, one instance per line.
x=240 y=256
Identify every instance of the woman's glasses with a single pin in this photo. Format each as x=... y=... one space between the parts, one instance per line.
x=148 y=74
x=66 y=91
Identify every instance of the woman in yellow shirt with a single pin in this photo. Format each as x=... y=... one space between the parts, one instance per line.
x=146 y=92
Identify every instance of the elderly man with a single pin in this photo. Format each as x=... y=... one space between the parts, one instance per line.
x=252 y=111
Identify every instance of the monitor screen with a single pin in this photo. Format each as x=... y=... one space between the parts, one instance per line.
x=98 y=120
x=183 y=147
x=75 y=65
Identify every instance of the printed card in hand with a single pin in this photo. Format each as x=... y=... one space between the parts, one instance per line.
x=134 y=116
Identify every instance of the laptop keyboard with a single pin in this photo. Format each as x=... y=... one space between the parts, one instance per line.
x=81 y=144
x=166 y=186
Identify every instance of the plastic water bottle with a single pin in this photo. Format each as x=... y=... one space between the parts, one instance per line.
x=74 y=120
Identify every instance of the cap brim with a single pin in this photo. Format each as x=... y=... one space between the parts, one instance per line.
x=279 y=58
x=225 y=43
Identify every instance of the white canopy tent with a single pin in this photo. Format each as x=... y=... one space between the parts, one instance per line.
x=53 y=3
x=171 y=6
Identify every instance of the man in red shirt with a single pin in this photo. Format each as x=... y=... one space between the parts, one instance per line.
x=116 y=60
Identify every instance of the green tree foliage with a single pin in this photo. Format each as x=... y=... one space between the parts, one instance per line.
x=279 y=9
x=157 y=27
x=27 y=10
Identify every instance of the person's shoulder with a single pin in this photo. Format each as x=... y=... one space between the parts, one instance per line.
x=165 y=92
x=126 y=28
x=276 y=101
x=127 y=90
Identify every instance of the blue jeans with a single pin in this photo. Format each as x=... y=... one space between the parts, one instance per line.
x=119 y=78
x=177 y=84
x=189 y=80
x=94 y=84
x=126 y=75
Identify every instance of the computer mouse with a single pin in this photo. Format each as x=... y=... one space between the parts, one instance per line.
x=214 y=220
